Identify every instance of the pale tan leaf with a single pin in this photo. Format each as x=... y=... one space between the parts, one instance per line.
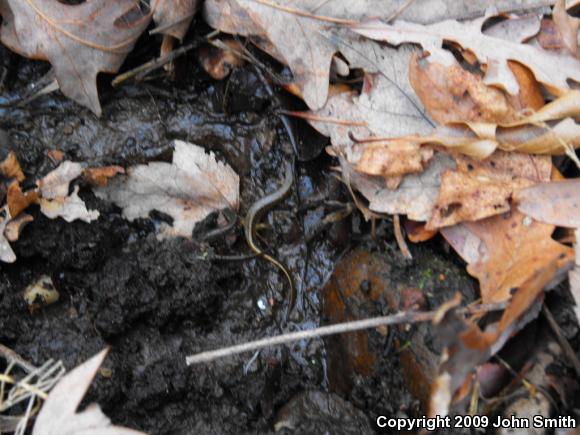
x=516 y=28
x=58 y=415
x=518 y=246
x=7 y=255
x=56 y=183
x=551 y=69
x=556 y=203
x=194 y=185
x=414 y=197
x=480 y=189
x=453 y=94
x=79 y=40
x=174 y=16
x=70 y=208
x=567 y=27
x=393 y=158
x=15 y=226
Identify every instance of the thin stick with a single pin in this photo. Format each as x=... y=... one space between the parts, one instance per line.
x=311 y=117
x=564 y=344
x=400 y=238
x=406 y=317
x=151 y=65
x=12 y=356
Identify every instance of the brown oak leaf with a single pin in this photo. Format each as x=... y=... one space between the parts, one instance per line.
x=79 y=40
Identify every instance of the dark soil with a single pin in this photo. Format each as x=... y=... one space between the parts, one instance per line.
x=155 y=302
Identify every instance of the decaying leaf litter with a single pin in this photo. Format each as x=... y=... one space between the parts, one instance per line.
x=462 y=130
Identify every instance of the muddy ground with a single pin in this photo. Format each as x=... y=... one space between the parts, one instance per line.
x=155 y=302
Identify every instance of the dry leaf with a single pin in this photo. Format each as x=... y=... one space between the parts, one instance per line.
x=452 y=94
x=414 y=197
x=10 y=167
x=551 y=69
x=466 y=346
x=54 y=198
x=79 y=40
x=567 y=27
x=7 y=255
x=56 y=183
x=550 y=130
x=556 y=203
x=70 y=208
x=469 y=247
x=386 y=106
x=480 y=189
x=392 y=158
x=296 y=33
x=59 y=415
x=16 y=225
x=517 y=247
x=515 y=28
x=174 y=16
x=18 y=201
x=275 y=24
x=188 y=190
x=100 y=176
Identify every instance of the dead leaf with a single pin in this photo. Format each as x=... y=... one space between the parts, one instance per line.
x=550 y=130
x=386 y=107
x=515 y=28
x=7 y=255
x=517 y=247
x=414 y=197
x=18 y=201
x=54 y=198
x=309 y=56
x=452 y=94
x=10 y=167
x=480 y=189
x=59 y=415
x=79 y=40
x=56 y=183
x=551 y=69
x=466 y=346
x=174 y=16
x=16 y=225
x=100 y=176
x=70 y=208
x=469 y=246
x=393 y=158
x=567 y=26
x=556 y=203
x=188 y=190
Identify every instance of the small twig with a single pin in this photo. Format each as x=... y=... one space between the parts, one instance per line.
x=311 y=117
x=12 y=356
x=400 y=238
x=151 y=65
x=564 y=344
x=339 y=328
